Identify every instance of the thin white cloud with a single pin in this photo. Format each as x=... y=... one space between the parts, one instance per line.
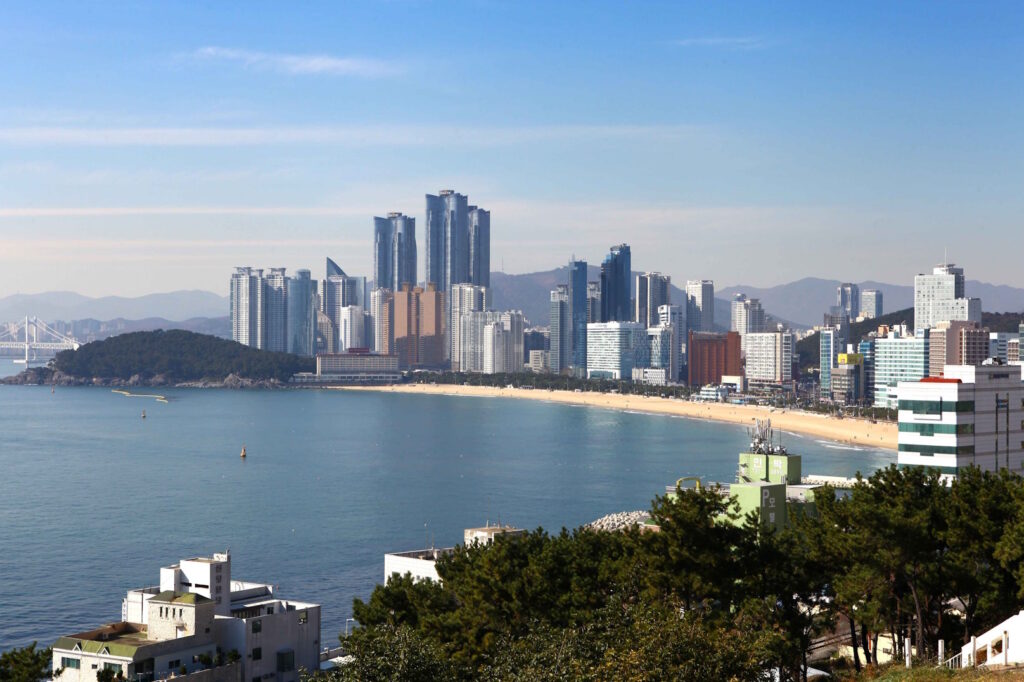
x=353 y=135
x=117 y=211
x=302 y=64
x=725 y=42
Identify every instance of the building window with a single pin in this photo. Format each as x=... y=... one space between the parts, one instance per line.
x=174 y=665
x=70 y=663
x=270 y=610
x=285 y=661
x=257 y=653
x=303 y=616
x=257 y=626
x=116 y=667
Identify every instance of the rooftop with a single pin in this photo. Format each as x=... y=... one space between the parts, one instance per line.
x=423 y=554
x=120 y=639
x=171 y=597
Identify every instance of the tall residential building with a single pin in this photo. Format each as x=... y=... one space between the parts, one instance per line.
x=661 y=352
x=473 y=326
x=848 y=298
x=515 y=325
x=899 y=356
x=829 y=343
x=479 y=246
x=866 y=349
x=770 y=358
x=939 y=297
x=711 y=356
x=419 y=329
x=394 y=251
x=614 y=349
x=382 y=311
x=465 y=298
x=700 y=305
x=955 y=342
x=326 y=337
x=577 y=292
x=971 y=416
x=870 y=303
x=458 y=241
x=339 y=292
x=301 y=314
x=593 y=302
x=275 y=299
x=652 y=291
x=502 y=343
x=671 y=316
x=560 y=334
x=248 y=325
x=747 y=318
x=351 y=328
x=616 y=288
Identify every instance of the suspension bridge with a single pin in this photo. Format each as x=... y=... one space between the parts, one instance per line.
x=35 y=339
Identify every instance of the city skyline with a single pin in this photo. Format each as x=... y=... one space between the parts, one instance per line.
x=213 y=141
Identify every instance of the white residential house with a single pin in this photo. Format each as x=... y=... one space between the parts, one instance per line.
x=197 y=611
x=1002 y=645
x=422 y=563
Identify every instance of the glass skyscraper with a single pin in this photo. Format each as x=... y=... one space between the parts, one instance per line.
x=616 y=287
x=301 y=314
x=479 y=246
x=394 y=251
x=560 y=336
x=578 y=315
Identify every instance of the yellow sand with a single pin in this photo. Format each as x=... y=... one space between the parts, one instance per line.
x=850 y=431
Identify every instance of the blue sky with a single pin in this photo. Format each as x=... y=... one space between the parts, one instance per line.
x=152 y=146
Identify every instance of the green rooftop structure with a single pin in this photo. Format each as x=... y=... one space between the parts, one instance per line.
x=768 y=481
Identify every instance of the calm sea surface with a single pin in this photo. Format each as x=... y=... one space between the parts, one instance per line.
x=94 y=499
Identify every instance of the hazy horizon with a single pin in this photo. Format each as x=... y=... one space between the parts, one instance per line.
x=148 y=147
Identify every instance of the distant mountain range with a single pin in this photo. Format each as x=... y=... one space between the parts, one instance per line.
x=66 y=305
x=800 y=303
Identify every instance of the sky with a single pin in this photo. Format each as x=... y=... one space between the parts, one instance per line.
x=149 y=147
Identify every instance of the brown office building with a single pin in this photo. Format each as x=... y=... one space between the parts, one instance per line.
x=958 y=342
x=418 y=317
x=711 y=356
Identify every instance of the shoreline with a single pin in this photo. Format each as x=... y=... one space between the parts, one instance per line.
x=860 y=432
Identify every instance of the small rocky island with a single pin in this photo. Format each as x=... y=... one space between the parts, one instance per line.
x=166 y=358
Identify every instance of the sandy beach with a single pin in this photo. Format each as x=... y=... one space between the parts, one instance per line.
x=849 y=431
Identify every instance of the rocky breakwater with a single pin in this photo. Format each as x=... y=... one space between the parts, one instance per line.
x=619 y=521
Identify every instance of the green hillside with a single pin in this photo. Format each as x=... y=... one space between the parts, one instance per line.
x=178 y=355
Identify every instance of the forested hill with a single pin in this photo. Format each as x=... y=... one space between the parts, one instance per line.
x=176 y=356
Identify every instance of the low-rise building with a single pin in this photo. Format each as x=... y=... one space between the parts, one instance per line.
x=200 y=621
x=357 y=366
x=421 y=564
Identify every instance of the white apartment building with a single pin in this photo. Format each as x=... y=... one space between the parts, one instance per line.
x=970 y=416
x=248 y=310
x=465 y=299
x=351 y=328
x=671 y=316
x=615 y=348
x=700 y=305
x=898 y=357
x=770 y=358
x=939 y=297
x=421 y=564
x=197 y=615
